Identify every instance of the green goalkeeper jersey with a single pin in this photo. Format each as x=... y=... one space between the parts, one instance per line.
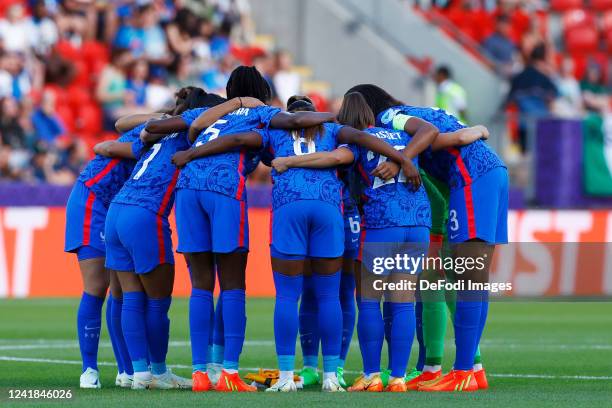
x=438 y=194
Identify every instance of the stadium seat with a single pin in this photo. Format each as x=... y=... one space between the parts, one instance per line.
x=609 y=42
x=520 y=23
x=319 y=101
x=5 y=4
x=82 y=76
x=67 y=117
x=606 y=22
x=67 y=50
x=464 y=21
x=246 y=54
x=581 y=62
x=89 y=119
x=577 y=18
x=78 y=97
x=581 y=40
x=601 y=5
x=96 y=56
x=61 y=95
x=563 y=5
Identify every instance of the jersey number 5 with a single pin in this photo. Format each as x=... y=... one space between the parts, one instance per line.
x=213 y=130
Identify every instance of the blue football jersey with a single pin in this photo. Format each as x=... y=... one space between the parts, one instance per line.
x=457 y=166
x=105 y=176
x=299 y=183
x=389 y=203
x=226 y=173
x=151 y=184
x=192 y=114
x=351 y=188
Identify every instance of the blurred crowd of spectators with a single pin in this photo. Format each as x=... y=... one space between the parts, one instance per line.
x=70 y=68
x=531 y=43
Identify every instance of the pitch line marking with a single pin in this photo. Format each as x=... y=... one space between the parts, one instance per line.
x=500 y=375
x=59 y=344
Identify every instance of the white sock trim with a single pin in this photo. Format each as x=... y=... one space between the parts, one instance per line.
x=286 y=375
x=330 y=376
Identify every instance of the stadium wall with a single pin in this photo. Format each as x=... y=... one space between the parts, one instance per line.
x=33 y=264
x=357 y=53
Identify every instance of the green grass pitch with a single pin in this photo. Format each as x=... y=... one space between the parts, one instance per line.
x=536 y=354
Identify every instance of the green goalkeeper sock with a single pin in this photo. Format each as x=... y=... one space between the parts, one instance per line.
x=434 y=331
x=477 y=359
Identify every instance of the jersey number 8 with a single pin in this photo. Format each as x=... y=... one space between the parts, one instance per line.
x=297 y=146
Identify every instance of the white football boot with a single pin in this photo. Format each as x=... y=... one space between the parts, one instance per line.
x=90 y=379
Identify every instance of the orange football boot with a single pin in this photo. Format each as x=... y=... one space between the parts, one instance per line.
x=456 y=380
x=481 y=379
x=396 y=385
x=233 y=383
x=362 y=384
x=201 y=382
x=425 y=376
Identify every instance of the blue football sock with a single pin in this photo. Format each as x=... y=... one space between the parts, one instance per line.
x=484 y=312
x=134 y=328
x=158 y=326
x=112 y=335
x=217 y=354
x=119 y=338
x=467 y=321
x=200 y=312
x=419 y=333
x=309 y=324
x=388 y=320
x=217 y=346
x=218 y=337
x=234 y=326
x=327 y=291
x=288 y=291
x=402 y=335
x=347 y=301
x=89 y=321
x=113 y=322
x=371 y=334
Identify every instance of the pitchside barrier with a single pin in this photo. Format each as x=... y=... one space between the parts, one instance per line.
x=553 y=253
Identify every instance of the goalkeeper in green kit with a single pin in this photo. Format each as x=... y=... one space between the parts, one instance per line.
x=431 y=308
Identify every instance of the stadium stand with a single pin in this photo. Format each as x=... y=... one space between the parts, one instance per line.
x=69 y=68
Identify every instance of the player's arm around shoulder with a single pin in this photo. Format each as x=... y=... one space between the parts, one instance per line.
x=215 y=113
x=246 y=140
x=300 y=120
x=115 y=149
x=460 y=137
x=321 y=160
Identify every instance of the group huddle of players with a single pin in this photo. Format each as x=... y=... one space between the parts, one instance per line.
x=378 y=172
